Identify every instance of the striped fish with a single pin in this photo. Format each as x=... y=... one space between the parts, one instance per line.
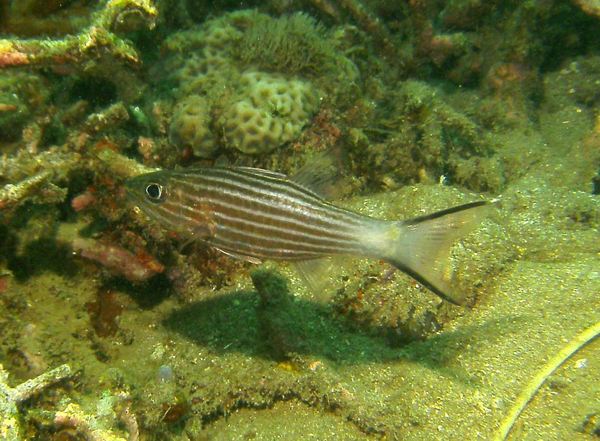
x=257 y=214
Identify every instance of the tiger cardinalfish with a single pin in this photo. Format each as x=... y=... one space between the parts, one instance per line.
x=256 y=214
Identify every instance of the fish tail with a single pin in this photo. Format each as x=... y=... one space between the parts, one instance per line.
x=421 y=246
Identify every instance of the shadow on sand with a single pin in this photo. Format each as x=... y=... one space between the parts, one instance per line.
x=273 y=324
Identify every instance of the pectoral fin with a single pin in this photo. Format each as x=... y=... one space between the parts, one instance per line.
x=250 y=259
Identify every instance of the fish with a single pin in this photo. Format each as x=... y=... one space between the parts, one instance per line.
x=256 y=214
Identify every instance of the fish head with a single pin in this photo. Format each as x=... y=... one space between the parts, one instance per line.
x=148 y=190
x=168 y=203
x=152 y=194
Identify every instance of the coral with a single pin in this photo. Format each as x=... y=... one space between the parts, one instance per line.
x=97 y=40
x=101 y=425
x=365 y=18
x=97 y=50
x=246 y=81
x=294 y=44
x=271 y=112
x=291 y=45
x=202 y=58
x=120 y=165
x=37 y=188
x=257 y=80
x=21 y=94
x=110 y=117
x=429 y=141
x=29 y=18
x=190 y=126
x=118 y=260
x=371 y=24
x=10 y=398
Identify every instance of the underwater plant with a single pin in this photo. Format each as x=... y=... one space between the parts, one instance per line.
x=293 y=44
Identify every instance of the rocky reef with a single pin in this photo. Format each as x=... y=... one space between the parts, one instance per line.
x=113 y=328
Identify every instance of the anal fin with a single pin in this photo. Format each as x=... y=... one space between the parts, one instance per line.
x=318 y=275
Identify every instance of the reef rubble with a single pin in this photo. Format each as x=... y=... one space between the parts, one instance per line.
x=418 y=106
x=12 y=397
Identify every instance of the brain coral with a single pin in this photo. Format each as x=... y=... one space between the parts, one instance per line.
x=270 y=111
x=190 y=126
x=247 y=66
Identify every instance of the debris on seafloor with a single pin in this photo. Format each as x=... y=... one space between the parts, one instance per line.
x=548 y=369
x=111 y=117
x=591 y=425
x=11 y=397
x=117 y=259
x=110 y=409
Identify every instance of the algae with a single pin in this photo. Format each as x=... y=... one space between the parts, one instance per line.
x=424 y=106
x=294 y=44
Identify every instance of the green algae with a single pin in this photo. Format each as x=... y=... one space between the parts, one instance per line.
x=294 y=44
x=252 y=353
x=331 y=363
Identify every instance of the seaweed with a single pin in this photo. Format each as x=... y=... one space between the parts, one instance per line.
x=294 y=44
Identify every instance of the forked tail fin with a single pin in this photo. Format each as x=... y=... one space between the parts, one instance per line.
x=422 y=249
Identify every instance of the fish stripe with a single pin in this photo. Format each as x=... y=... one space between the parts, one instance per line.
x=303 y=211
x=278 y=237
x=288 y=230
x=251 y=249
x=231 y=214
x=178 y=211
x=273 y=244
x=168 y=214
x=258 y=181
x=297 y=226
x=257 y=214
x=263 y=186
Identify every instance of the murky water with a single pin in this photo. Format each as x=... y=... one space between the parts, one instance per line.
x=420 y=106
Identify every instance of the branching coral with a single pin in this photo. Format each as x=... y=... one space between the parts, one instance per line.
x=97 y=40
x=91 y=426
x=368 y=21
x=41 y=177
x=10 y=398
x=118 y=260
x=34 y=178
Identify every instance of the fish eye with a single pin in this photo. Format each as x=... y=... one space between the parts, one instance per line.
x=154 y=191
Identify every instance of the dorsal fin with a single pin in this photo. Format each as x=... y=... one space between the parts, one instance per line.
x=263 y=172
x=322 y=174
